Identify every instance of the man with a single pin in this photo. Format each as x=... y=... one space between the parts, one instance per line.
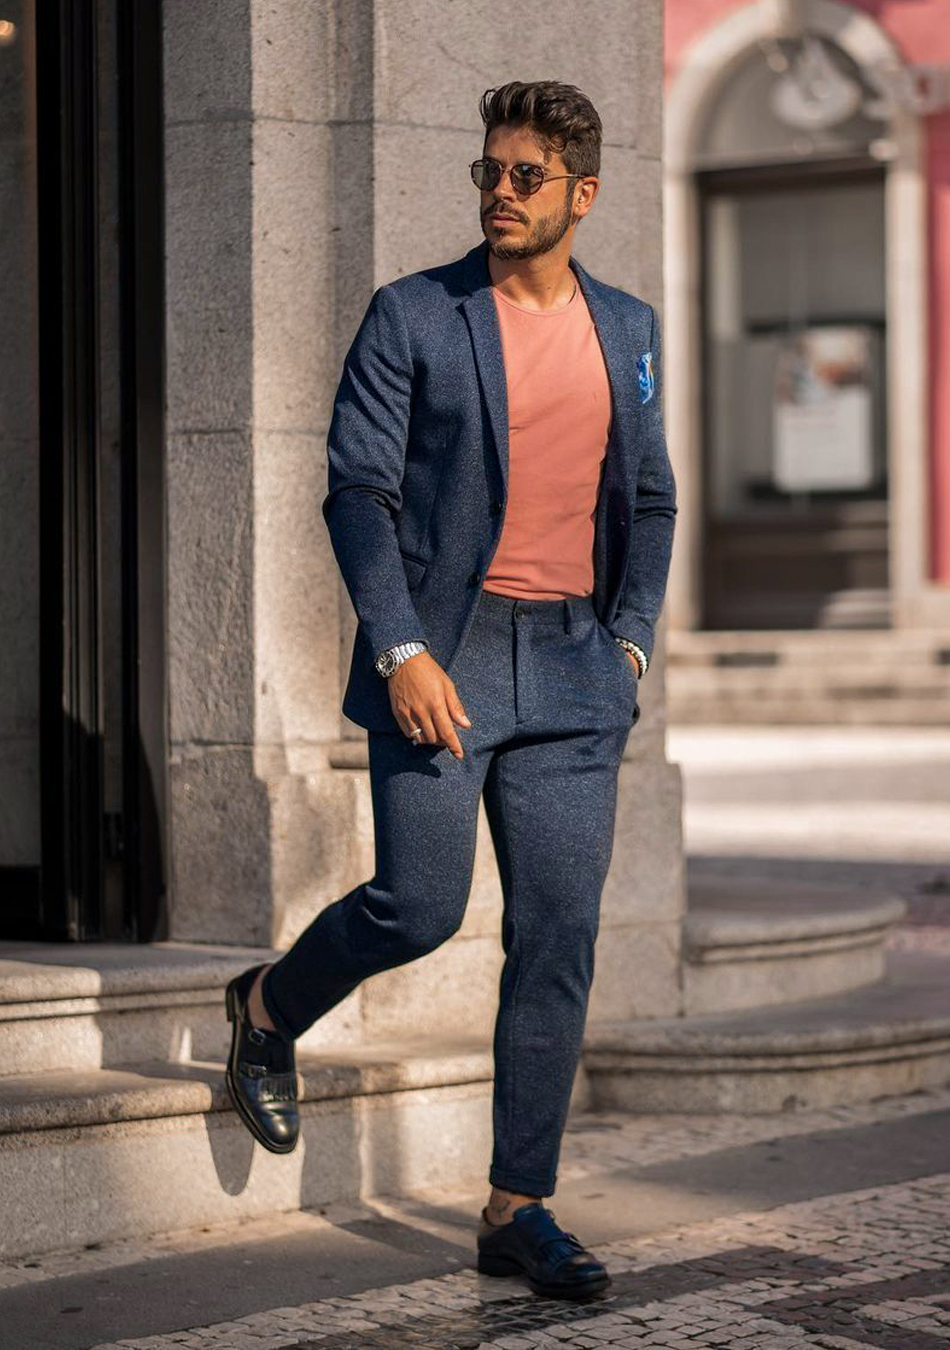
x=501 y=506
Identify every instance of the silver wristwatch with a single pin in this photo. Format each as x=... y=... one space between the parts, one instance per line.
x=393 y=657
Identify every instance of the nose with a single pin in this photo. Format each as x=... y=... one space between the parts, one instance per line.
x=499 y=189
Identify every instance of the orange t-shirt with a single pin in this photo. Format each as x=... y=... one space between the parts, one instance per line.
x=558 y=424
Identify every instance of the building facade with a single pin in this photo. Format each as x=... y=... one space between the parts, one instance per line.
x=807 y=220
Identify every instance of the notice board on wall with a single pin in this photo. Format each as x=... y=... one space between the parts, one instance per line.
x=823 y=425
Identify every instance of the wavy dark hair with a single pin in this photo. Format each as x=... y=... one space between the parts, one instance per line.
x=562 y=118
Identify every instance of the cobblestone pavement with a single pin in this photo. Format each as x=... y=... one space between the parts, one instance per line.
x=871 y=1268
x=608 y=1141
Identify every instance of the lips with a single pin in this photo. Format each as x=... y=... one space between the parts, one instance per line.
x=513 y=219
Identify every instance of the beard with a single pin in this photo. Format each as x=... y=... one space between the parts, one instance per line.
x=546 y=233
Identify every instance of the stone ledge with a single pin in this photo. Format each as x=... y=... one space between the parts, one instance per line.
x=81 y=1008
x=880 y=644
x=55 y=1099
x=752 y=942
x=127 y=1157
x=890 y=1037
x=38 y=974
x=726 y=916
x=912 y=1003
x=716 y=709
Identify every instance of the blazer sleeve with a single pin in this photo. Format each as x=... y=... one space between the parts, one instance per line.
x=654 y=517
x=366 y=455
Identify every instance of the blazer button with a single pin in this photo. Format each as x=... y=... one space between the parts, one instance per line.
x=496 y=507
x=474 y=579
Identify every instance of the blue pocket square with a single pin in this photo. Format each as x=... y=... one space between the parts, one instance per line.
x=645 y=376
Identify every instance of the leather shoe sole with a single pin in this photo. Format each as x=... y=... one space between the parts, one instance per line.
x=507 y=1265
x=554 y=1262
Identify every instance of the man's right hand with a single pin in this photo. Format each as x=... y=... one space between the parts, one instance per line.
x=422 y=695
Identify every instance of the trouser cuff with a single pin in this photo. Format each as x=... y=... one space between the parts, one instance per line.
x=521 y=1183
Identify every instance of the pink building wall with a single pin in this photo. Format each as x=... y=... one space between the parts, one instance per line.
x=920 y=29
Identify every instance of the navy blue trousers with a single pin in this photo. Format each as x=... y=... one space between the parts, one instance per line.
x=552 y=699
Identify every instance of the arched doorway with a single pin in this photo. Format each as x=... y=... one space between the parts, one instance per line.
x=788 y=328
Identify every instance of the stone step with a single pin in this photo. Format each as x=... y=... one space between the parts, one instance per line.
x=751 y=942
x=804 y=647
x=102 y=1005
x=809 y=676
x=890 y=1038
x=715 y=708
x=92 y=1156
x=840 y=681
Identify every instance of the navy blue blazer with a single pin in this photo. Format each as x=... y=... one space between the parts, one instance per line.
x=418 y=468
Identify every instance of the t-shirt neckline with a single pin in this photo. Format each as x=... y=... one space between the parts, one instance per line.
x=539 y=313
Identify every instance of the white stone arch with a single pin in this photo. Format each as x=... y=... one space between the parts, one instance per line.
x=705 y=64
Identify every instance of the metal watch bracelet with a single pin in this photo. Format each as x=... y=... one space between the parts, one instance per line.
x=388 y=661
x=638 y=652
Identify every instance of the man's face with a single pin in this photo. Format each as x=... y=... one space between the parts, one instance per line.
x=537 y=222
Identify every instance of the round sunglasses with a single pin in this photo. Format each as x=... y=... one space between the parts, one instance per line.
x=525 y=178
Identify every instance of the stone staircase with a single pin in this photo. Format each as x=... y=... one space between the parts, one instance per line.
x=115 y=1121
x=749 y=943
x=892 y=1037
x=791 y=999
x=821 y=676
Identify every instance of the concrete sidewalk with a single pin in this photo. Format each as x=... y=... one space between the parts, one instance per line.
x=809 y=1229
x=841 y=803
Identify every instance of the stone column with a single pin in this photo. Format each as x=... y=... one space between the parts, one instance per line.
x=314 y=151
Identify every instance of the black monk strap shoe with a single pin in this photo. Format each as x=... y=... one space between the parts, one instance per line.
x=532 y=1244
x=261 y=1073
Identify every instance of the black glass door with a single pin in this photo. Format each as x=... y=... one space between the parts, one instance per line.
x=795 y=463
x=81 y=497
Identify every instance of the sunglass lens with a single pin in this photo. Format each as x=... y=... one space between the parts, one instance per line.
x=526 y=177
x=485 y=175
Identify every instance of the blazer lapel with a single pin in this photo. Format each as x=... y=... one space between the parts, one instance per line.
x=482 y=318
x=614 y=345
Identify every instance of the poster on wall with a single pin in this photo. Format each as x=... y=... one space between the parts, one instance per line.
x=823 y=410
